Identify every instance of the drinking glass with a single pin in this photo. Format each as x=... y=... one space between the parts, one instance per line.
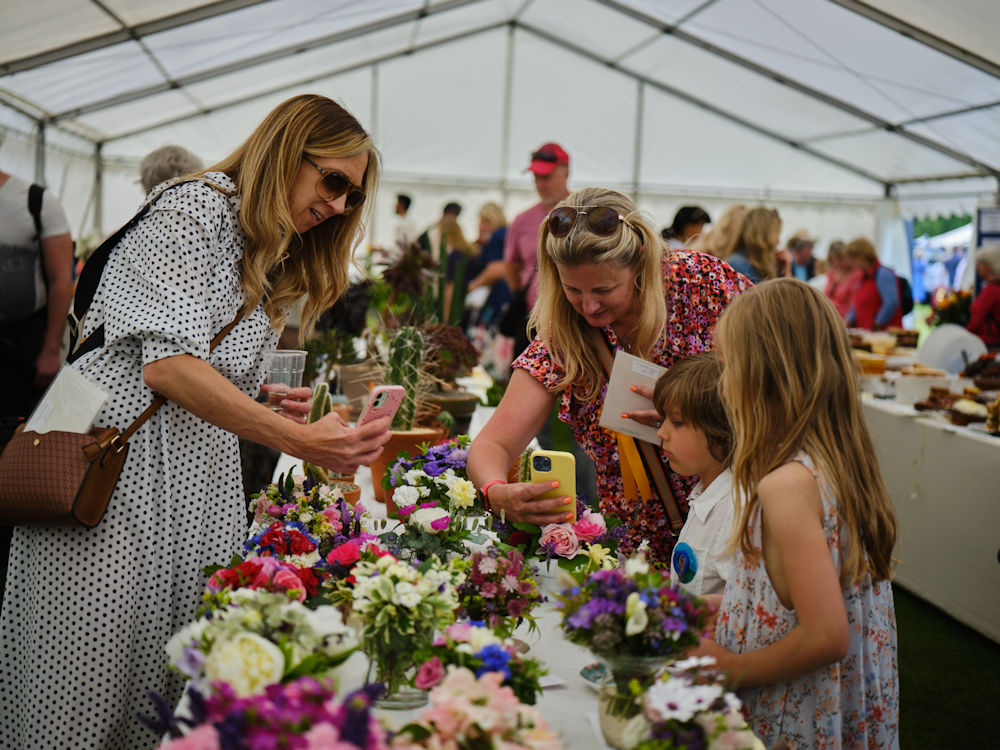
x=283 y=367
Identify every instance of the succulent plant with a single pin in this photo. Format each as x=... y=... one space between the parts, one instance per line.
x=403 y=366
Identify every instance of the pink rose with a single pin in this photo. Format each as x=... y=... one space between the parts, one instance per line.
x=286 y=580
x=561 y=538
x=430 y=674
x=590 y=527
x=202 y=738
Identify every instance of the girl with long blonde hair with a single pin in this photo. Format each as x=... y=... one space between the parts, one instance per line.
x=807 y=621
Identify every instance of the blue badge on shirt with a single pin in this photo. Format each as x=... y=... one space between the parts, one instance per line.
x=684 y=562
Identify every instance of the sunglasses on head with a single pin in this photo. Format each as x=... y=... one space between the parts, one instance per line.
x=601 y=220
x=332 y=184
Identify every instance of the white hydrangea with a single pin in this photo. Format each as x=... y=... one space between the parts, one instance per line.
x=405 y=496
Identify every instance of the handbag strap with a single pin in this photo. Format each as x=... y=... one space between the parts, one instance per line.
x=161 y=400
x=647 y=454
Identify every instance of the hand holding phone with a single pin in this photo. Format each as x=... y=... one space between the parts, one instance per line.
x=547 y=466
x=383 y=401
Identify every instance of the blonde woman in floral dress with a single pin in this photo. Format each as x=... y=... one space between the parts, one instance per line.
x=807 y=622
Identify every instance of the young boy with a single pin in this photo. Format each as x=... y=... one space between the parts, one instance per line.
x=696 y=436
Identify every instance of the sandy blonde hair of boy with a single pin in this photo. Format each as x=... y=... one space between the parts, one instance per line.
x=279 y=264
x=691 y=387
x=565 y=333
x=790 y=383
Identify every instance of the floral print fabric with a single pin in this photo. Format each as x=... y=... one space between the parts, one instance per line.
x=697 y=287
x=853 y=703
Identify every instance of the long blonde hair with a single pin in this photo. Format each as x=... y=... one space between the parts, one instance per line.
x=721 y=239
x=790 y=383
x=565 y=333
x=759 y=235
x=279 y=264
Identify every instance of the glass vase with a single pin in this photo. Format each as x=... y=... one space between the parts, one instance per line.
x=395 y=669
x=620 y=698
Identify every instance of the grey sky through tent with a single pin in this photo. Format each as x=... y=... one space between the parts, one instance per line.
x=831 y=106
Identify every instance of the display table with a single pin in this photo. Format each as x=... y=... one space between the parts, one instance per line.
x=945 y=483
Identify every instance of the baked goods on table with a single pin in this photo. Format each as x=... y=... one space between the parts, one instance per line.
x=965 y=411
x=923 y=370
x=905 y=338
x=871 y=364
x=984 y=371
x=993 y=416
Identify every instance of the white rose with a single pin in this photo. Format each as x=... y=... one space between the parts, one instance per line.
x=424 y=517
x=247 y=661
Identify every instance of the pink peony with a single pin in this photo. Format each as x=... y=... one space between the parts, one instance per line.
x=430 y=674
x=562 y=539
x=590 y=527
x=286 y=580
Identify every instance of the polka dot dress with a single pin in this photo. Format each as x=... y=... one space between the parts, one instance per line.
x=87 y=612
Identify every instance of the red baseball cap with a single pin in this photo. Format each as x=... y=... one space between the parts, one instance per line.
x=547 y=158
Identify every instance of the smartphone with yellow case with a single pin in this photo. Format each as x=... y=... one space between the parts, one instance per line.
x=547 y=466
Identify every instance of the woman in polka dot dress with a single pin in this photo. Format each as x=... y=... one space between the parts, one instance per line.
x=87 y=613
x=601 y=266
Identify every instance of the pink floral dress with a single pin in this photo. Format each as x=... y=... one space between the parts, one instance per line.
x=697 y=287
x=853 y=703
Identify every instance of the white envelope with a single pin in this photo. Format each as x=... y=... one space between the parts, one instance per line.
x=627 y=371
x=70 y=404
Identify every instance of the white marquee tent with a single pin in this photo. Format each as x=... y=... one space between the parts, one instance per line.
x=844 y=114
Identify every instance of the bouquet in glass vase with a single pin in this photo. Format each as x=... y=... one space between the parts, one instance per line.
x=499 y=589
x=259 y=638
x=317 y=510
x=401 y=607
x=689 y=708
x=467 y=711
x=637 y=623
x=475 y=646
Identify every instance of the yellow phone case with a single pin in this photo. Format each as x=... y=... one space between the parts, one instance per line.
x=547 y=466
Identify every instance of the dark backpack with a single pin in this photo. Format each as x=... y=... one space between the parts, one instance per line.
x=905 y=295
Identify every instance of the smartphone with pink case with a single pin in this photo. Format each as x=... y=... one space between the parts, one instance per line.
x=383 y=401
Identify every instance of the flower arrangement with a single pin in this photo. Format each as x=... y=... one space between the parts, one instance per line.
x=339 y=580
x=590 y=543
x=498 y=589
x=475 y=646
x=401 y=607
x=259 y=638
x=476 y=712
x=950 y=307
x=689 y=708
x=632 y=611
x=304 y=713
x=316 y=510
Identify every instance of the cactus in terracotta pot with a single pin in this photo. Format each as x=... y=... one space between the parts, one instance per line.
x=403 y=365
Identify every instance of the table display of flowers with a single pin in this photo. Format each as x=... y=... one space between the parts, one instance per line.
x=475 y=646
x=467 y=711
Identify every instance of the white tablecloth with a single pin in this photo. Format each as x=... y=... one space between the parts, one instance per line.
x=945 y=483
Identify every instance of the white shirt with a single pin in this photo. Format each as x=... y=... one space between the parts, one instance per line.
x=704 y=537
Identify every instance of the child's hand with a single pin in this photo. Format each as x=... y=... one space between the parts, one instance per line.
x=650 y=417
x=714 y=601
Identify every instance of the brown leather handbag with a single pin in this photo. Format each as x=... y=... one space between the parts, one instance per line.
x=66 y=478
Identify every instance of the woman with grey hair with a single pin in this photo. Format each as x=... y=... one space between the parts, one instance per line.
x=984 y=318
x=166 y=163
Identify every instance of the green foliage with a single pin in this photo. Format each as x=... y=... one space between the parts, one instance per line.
x=939 y=225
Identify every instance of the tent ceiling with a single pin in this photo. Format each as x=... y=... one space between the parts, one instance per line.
x=884 y=92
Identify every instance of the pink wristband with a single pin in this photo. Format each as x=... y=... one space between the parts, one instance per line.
x=486 y=488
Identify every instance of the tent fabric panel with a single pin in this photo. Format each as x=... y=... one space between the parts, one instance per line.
x=836 y=51
x=974 y=132
x=258 y=30
x=674 y=151
x=554 y=100
x=668 y=11
x=62 y=23
x=890 y=155
x=588 y=24
x=457 y=20
x=444 y=126
x=969 y=24
x=86 y=78
x=140 y=113
x=136 y=12
x=732 y=87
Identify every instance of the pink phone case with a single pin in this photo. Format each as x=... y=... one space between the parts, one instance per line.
x=383 y=401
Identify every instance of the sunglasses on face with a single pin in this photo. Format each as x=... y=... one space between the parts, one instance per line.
x=601 y=220
x=332 y=184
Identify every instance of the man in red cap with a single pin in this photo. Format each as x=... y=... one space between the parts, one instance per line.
x=550 y=165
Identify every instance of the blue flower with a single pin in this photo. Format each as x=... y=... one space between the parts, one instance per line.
x=495 y=658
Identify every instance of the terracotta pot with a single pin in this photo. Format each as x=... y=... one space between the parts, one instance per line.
x=409 y=442
x=352 y=493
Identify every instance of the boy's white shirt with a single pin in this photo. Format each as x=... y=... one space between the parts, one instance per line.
x=710 y=520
